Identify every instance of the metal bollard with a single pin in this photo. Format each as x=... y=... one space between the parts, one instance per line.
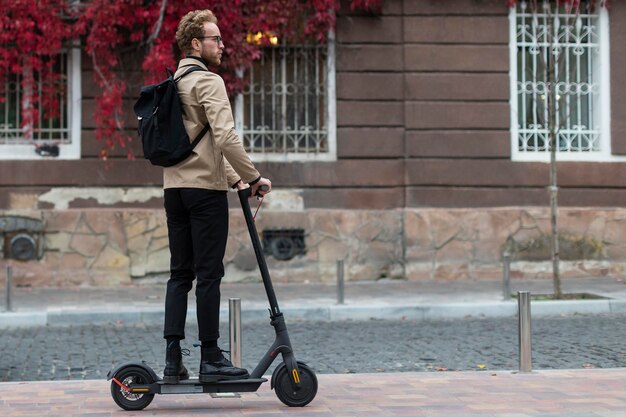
x=9 y=288
x=525 y=347
x=506 y=276
x=340 y=282
x=234 y=311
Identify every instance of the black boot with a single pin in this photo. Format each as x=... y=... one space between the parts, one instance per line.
x=215 y=367
x=174 y=369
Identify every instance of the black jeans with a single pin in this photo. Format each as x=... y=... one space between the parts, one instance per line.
x=197 y=224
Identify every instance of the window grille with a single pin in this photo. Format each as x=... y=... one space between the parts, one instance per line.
x=284 y=110
x=57 y=137
x=575 y=43
x=44 y=130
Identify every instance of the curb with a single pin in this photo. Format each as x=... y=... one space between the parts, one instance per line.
x=326 y=313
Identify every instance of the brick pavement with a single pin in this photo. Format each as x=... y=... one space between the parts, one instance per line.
x=571 y=393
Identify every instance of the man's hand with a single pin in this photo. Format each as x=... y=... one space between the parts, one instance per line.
x=262 y=181
x=242 y=185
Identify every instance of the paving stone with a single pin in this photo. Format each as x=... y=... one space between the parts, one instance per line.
x=377 y=346
x=569 y=393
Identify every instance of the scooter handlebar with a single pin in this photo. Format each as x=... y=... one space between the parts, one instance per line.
x=262 y=188
x=247 y=192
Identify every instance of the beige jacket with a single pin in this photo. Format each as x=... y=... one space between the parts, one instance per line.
x=219 y=159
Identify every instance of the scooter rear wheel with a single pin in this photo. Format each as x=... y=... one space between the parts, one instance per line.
x=126 y=400
x=285 y=390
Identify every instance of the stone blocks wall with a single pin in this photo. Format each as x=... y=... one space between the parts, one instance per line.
x=96 y=247
x=468 y=243
x=118 y=246
x=370 y=242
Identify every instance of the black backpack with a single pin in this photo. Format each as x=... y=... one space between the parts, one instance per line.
x=163 y=136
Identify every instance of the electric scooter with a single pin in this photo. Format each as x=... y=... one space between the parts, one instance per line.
x=134 y=384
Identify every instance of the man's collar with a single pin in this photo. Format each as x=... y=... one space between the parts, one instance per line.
x=190 y=61
x=198 y=58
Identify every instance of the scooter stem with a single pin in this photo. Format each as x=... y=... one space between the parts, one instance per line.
x=244 y=195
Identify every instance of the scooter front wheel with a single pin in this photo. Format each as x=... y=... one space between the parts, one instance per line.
x=128 y=377
x=287 y=393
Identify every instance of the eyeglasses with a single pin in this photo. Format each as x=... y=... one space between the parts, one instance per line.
x=216 y=38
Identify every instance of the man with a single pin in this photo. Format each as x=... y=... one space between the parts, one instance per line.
x=196 y=203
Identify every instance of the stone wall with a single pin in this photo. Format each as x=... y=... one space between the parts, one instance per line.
x=468 y=244
x=121 y=246
x=96 y=247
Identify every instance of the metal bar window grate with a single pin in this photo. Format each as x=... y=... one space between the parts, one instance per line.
x=284 y=105
x=42 y=130
x=573 y=40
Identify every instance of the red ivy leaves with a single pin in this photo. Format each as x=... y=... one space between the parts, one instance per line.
x=33 y=31
x=108 y=28
x=373 y=6
x=31 y=34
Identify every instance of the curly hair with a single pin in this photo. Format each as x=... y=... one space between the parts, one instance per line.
x=192 y=26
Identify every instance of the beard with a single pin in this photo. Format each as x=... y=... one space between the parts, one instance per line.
x=212 y=59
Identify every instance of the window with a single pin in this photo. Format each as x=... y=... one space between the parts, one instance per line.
x=579 y=45
x=58 y=136
x=287 y=112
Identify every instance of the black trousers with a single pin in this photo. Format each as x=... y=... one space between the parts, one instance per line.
x=197 y=224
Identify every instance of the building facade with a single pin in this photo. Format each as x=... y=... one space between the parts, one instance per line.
x=413 y=146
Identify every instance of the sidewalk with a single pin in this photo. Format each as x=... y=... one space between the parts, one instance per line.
x=580 y=393
x=558 y=393
x=385 y=299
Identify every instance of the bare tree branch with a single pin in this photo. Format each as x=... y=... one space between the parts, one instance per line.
x=157 y=26
x=96 y=68
x=107 y=85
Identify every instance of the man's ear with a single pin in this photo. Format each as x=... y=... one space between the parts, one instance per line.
x=195 y=44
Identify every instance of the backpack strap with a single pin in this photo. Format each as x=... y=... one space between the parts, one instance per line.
x=200 y=135
x=189 y=71
x=206 y=127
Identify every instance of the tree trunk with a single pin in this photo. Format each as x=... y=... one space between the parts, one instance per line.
x=554 y=211
x=550 y=67
x=553 y=130
x=27 y=109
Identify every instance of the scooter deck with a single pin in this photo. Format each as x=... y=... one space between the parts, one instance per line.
x=193 y=386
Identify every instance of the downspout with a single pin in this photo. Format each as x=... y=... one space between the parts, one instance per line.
x=404 y=152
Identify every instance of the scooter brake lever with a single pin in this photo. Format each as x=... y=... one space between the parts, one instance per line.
x=261 y=188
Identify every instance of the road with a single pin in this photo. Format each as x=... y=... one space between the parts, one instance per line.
x=481 y=344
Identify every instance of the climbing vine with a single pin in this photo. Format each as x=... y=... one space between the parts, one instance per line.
x=114 y=33
x=32 y=34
